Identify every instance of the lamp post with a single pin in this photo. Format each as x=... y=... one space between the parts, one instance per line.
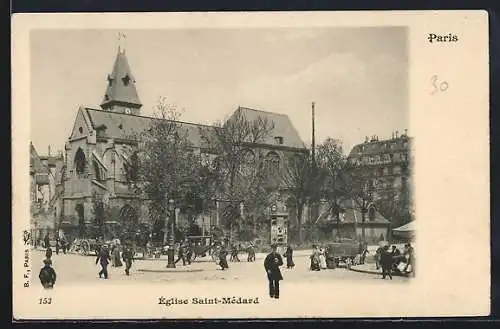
x=170 y=251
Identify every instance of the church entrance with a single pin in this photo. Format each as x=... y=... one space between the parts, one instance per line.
x=129 y=222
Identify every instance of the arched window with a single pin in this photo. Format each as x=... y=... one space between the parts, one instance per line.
x=371 y=213
x=128 y=220
x=273 y=162
x=247 y=162
x=80 y=162
x=97 y=171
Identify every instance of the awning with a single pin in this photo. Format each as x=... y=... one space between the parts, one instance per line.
x=405 y=228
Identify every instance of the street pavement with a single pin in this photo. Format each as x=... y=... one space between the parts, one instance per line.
x=72 y=268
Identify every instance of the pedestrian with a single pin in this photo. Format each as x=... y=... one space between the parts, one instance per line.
x=410 y=255
x=272 y=265
x=289 y=257
x=378 y=254
x=47 y=275
x=251 y=253
x=315 y=266
x=189 y=253
x=64 y=245
x=222 y=258
x=386 y=262
x=57 y=246
x=363 y=254
x=234 y=254
x=181 y=254
x=103 y=258
x=46 y=241
x=116 y=255
x=322 y=259
x=128 y=258
x=48 y=252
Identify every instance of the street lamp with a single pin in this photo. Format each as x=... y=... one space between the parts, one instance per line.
x=170 y=251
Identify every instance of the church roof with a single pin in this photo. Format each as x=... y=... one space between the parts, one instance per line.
x=283 y=127
x=121 y=83
x=128 y=126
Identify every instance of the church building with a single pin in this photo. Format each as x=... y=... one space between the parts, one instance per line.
x=100 y=143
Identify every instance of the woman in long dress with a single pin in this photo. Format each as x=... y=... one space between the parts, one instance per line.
x=116 y=256
x=322 y=259
x=315 y=263
x=289 y=257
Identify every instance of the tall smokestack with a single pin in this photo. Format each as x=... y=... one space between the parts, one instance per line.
x=313 y=147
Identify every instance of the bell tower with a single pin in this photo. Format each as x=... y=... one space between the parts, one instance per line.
x=121 y=93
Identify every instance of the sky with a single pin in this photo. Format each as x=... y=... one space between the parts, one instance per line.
x=357 y=77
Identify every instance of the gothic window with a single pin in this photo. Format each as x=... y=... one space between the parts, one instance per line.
x=97 y=170
x=273 y=162
x=80 y=162
x=279 y=140
x=248 y=162
x=371 y=213
x=80 y=130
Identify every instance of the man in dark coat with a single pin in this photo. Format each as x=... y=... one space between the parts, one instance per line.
x=386 y=262
x=251 y=253
x=47 y=275
x=223 y=258
x=272 y=265
x=58 y=245
x=103 y=257
x=46 y=241
x=181 y=254
x=48 y=252
x=128 y=258
x=289 y=257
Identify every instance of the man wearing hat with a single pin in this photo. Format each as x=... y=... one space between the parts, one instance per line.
x=47 y=275
x=272 y=265
x=103 y=257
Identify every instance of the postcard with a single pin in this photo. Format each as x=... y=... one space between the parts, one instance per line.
x=250 y=165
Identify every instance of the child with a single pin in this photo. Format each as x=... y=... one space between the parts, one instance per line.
x=47 y=275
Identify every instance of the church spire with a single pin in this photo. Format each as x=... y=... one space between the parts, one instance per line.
x=121 y=94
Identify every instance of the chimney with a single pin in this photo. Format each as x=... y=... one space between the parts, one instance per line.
x=406 y=132
x=393 y=135
x=366 y=139
x=397 y=132
x=49 y=151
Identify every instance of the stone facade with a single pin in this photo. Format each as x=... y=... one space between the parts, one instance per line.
x=101 y=140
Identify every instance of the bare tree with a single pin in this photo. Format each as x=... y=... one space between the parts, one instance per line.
x=302 y=180
x=238 y=171
x=165 y=164
x=335 y=189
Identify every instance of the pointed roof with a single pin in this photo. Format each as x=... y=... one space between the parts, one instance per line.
x=283 y=127
x=129 y=126
x=121 y=84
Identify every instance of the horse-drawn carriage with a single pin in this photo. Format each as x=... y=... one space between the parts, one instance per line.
x=342 y=253
x=201 y=245
x=85 y=246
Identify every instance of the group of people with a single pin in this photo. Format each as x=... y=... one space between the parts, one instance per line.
x=115 y=256
x=393 y=260
x=318 y=258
